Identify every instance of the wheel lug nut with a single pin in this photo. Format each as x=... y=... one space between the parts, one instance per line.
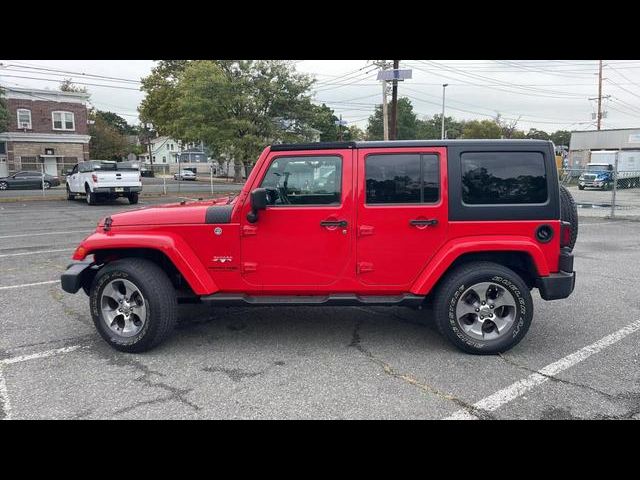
x=477 y=309
x=491 y=306
x=481 y=317
x=484 y=303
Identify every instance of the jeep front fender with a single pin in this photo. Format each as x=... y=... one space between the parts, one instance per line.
x=450 y=251
x=173 y=246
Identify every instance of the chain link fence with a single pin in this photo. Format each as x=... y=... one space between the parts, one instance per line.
x=604 y=192
x=157 y=179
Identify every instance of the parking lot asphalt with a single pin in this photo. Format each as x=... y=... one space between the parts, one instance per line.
x=580 y=358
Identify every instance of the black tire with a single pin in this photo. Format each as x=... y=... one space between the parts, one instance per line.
x=569 y=213
x=133 y=198
x=580 y=187
x=47 y=185
x=70 y=196
x=456 y=282
x=91 y=197
x=158 y=294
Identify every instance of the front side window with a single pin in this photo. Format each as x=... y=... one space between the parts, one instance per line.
x=304 y=180
x=402 y=178
x=490 y=178
x=63 y=121
x=24 y=118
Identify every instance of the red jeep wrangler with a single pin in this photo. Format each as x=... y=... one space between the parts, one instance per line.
x=464 y=229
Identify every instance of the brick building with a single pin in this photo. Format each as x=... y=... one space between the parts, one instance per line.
x=46 y=126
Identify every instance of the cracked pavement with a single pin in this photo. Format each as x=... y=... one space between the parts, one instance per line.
x=305 y=362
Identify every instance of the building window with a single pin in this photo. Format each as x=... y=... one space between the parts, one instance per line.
x=24 y=118
x=154 y=158
x=3 y=148
x=63 y=121
x=164 y=159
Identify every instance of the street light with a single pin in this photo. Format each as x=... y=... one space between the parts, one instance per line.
x=444 y=85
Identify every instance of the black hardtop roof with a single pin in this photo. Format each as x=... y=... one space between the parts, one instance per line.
x=406 y=143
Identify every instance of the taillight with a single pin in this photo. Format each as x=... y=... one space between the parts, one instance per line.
x=94 y=177
x=565 y=234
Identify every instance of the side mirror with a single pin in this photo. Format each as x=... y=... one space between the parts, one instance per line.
x=258 y=202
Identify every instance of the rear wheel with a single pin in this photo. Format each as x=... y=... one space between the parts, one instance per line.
x=569 y=213
x=133 y=198
x=133 y=304
x=483 y=308
x=91 y=197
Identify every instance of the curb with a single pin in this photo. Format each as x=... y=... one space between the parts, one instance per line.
x=46 y=198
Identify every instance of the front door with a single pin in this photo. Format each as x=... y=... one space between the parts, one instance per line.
x=402 y=213
x=303 y=238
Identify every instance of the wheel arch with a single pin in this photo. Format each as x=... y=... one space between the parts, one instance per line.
x=522 y=255
x=170 y=252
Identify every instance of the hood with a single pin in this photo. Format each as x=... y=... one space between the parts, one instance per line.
x=189 y=212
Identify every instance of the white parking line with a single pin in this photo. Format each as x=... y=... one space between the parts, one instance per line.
x=517 y=389
x=34 y=253
x=48 y=282
x=45 y=354
x=47 y=233
x=5 y=406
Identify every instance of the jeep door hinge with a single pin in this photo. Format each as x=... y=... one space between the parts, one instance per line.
x=249 y=267
x=364 y=230
x=364 y=267
x=249 y=230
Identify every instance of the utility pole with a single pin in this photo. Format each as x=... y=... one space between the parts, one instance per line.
x=385 y=116
x=444 y=86
x=394 y=105
x=599 y=94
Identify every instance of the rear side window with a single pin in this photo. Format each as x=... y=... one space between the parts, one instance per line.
x=490 y=178
x=402 y=178
x=304 y=180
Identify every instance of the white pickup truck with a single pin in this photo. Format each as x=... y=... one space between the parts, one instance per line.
x=102 y=180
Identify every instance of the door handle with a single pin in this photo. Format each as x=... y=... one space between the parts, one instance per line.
x=333 y=223
x=423 y=223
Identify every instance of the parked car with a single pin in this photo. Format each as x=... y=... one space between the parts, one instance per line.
x=28 y=180
x=462 y=229
x=146 y=171
x=184 y=175
x=101 y=179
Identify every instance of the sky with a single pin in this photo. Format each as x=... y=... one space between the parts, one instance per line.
x=547 y=95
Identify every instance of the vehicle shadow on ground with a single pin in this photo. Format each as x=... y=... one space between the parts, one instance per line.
x=313 y=325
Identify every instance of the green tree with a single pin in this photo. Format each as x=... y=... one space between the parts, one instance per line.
x=4 y=113
x=106 y=143
x=407 y=122
x=158 y=106
x=354 y=133
x=117 y=122
x=534 y=133
x=67 y=85
x=236 y=107
x=561 y=137
x=324 y=119
x=481 y=129
x=431 y=128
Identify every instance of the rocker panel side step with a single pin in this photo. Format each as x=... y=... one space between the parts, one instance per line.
x=310 y=300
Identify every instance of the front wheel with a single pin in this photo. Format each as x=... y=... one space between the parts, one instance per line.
x=4 y=186
x=483 y=308
x=133 y=304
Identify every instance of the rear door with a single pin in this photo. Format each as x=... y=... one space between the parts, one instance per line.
x=401 y=213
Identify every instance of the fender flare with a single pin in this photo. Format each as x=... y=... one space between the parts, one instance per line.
x=171 y=245
x=452 y=250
